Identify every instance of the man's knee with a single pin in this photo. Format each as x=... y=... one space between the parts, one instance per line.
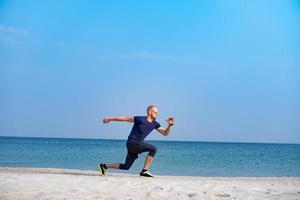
x=124 y=166
x=153 y=151
x=129 y=161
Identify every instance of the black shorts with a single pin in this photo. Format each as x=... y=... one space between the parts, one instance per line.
x=133 y=149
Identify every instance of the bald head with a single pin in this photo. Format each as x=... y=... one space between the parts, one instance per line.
x=152 y=111
x=149 y=108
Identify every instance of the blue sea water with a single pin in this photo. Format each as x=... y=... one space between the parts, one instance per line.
x=172 y=158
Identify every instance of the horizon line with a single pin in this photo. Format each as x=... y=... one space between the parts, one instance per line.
x=207 y=141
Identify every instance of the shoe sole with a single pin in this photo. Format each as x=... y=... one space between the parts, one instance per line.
x=141 y=176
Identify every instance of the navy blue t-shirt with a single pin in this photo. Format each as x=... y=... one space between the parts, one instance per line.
x=141 y=128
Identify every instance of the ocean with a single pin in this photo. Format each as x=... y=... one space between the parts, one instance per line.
x=172 y=158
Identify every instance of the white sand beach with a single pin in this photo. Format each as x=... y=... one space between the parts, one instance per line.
x=41 y=183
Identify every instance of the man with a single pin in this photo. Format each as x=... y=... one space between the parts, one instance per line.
x=142 y=126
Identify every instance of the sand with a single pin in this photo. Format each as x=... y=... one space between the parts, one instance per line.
x=41 y=183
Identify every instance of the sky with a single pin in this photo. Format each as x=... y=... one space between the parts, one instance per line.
x=228 y=71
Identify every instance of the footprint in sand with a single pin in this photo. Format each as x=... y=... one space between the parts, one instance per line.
x=223 y=195
x=191 y=195
x=159 y=188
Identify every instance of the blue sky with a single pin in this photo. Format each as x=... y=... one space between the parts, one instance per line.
x=226 y=70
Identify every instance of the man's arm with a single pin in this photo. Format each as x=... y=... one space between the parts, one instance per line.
x=120 y=119
x=165 y=132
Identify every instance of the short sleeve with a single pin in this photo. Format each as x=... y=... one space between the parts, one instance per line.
x=136 y=119
x=156 y=125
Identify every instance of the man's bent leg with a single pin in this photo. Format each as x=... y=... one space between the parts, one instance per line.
x=148 y=162
x=152 y=151
x=130 y=158
x=145 y=172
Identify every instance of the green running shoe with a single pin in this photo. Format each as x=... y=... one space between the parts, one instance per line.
x=102 y=169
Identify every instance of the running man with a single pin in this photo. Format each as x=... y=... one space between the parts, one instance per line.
x=142 y=126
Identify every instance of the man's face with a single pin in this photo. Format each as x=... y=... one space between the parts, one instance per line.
x=153 y=112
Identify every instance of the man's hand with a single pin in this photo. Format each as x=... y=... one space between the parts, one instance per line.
x=106 y=120
x=170 y=120
x=165 y=132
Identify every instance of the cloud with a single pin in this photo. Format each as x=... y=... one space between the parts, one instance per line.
x=11 y=35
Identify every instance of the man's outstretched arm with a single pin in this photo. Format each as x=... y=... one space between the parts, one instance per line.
x=120 y=119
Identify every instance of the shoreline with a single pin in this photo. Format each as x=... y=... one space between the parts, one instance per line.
x=51 y=170
x=53 y=183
